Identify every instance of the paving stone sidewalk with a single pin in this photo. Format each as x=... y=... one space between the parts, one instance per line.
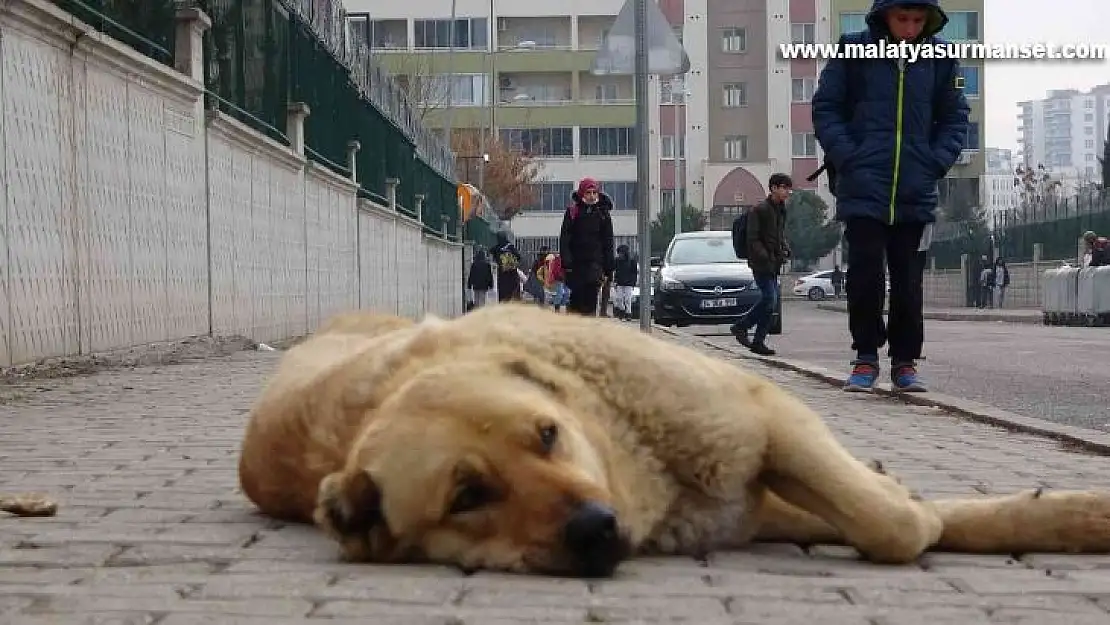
x=151 y=528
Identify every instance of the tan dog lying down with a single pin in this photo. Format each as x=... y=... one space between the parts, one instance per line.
x=515 y=438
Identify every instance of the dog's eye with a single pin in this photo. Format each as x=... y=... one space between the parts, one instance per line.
x=469 y=498
x=548 y=435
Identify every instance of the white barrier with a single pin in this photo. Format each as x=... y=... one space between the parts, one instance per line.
x=1075 y=296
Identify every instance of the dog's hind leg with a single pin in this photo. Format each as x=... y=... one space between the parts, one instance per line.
x=780 y=522
x=807 y=467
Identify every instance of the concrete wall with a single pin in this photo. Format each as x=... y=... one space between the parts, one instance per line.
x=130 y=215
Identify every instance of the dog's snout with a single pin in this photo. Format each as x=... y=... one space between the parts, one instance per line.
x=593 y=537
x=591 y=524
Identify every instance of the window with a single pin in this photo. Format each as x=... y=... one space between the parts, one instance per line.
x=803 y=33
x=1088 y=104
x=734 y=40
x=801 y=89
x=970 y=74
x=1088 y=117
x=735 y=95
x=1090 y=157
x=1088 y=130
x=1089 y=144
x=458 y=90
x=736 y=148
x=540 y=141
x=673 y=91
x=553 y=197
x=470 y=33
x=805 y=145
x=606 y=92
x=623 y=193
x=607 y=141
x=852 y=22
x=962 y=26
x=377 y=34
x=667 y=144
x=667 y=198
x=972 y=142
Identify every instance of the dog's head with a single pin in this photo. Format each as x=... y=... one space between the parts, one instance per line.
x=482 y=467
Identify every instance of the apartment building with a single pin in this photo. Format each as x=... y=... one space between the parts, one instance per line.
x=1065 y=131
x=997 y=191
x=523 y=70
x=965 y=23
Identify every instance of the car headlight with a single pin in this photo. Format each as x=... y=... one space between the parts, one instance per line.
x=670 y=284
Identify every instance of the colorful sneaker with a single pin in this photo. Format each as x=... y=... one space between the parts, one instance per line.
x=904 y=379
x=862 y=378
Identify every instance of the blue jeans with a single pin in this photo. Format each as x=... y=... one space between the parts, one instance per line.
x=760 y=315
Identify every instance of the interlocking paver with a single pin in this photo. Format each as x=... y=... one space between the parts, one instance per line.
x=153 y=530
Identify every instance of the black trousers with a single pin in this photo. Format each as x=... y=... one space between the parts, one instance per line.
x=583 y=295
x=874 y=246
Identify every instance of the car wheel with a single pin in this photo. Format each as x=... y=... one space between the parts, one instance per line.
x=816 y=294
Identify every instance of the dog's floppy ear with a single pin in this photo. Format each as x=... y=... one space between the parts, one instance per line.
x=349 y=503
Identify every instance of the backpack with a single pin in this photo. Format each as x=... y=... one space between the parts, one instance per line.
x=507 y=261
x=740 y=235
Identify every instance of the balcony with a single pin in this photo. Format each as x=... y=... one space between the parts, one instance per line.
x=379 y=35
x=592 y=30
x=606 y=90
x=533 y=33
x=535 y=88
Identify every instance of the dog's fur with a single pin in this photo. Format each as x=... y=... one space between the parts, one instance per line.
x=472 y=442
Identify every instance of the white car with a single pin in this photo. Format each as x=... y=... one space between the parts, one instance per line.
x=816 y=286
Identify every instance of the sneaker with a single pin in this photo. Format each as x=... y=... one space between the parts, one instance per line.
x=903 y=378
x=741 y=335
x=761 y=349
x=863 y=377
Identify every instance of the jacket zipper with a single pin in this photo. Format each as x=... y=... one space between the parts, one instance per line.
x=898 y=137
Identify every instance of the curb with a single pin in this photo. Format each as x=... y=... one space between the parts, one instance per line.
x=947 y=316
x=1081 y=439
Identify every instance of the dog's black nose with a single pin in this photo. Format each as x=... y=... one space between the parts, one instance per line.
x=594 y=539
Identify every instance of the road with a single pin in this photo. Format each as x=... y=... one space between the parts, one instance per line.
x=1058 y=374
x=153 y=529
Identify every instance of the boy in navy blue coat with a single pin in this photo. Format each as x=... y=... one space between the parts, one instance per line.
x=890 y=129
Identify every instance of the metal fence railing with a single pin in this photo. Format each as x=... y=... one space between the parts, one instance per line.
x=262 y=55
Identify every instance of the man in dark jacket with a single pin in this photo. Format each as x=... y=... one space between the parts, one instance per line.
x=586 y=245
x=890 y=130
x=480 y=278
x=766 y=252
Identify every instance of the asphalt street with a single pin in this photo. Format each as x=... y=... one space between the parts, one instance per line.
x=1058 y=374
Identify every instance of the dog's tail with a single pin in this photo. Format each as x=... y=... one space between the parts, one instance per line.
x=1032 y=521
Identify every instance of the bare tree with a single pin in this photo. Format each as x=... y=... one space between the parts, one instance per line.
x=510 y=175
x=425 y=81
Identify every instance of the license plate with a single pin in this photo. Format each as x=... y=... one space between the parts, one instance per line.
x=728 y=302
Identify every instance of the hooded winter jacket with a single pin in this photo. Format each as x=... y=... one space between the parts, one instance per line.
x=891 y=129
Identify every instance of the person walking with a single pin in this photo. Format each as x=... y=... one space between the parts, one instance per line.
x=586 y=245
x=624 y=279
x=837 y=280
x=890 y=130
x=767 y=250
x=480 y=278
x=507 y=258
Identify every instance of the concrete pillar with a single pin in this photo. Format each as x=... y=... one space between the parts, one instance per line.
x=965 y=267
x=353 y=148
x=391 y=185
x=296 y=113
x=188 y=53
x=419 y=197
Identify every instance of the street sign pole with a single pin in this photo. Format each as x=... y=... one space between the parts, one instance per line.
x=643 y=171
x=639 y=44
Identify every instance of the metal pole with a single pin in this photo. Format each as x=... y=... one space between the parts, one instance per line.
x=449 y=123
x=677 y=164
x=643 y=172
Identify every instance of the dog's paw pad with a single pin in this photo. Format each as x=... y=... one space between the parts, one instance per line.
x=28 y=505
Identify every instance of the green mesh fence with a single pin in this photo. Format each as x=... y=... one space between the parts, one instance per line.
x=145 y=25
x=262 y=55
